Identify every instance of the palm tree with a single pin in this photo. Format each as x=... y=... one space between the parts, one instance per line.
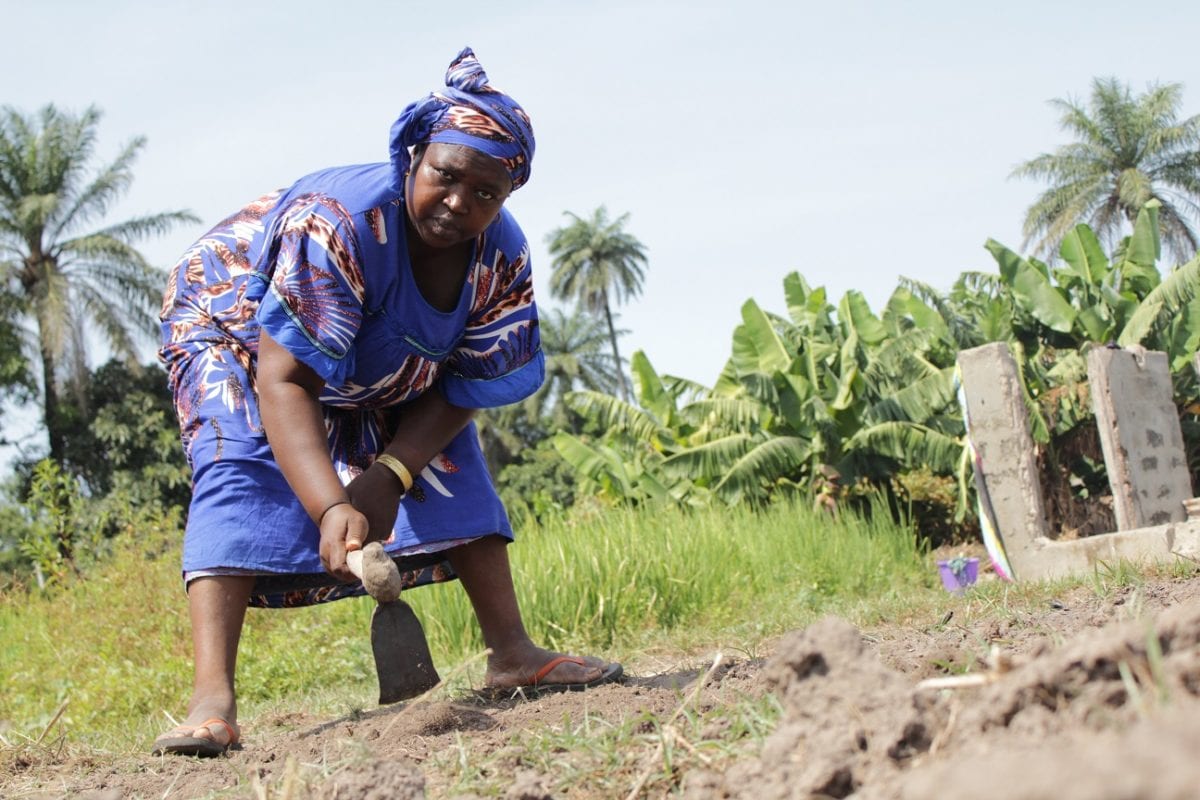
x=597 y=263
x=67 y=278
x=1129 y=150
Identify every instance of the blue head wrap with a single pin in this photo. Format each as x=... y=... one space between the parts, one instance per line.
x=470 y=112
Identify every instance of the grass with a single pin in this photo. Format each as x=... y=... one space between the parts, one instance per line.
x=623 y=579
x=115 y=646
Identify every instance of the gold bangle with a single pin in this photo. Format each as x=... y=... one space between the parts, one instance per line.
x=396 y=466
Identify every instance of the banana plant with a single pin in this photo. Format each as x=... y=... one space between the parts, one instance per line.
x=625 y=463
x=824 y=392
x=838 y=390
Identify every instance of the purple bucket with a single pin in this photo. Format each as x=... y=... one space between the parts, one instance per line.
x=958 y=573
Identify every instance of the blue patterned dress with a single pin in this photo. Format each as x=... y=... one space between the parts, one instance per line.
x=323 y=268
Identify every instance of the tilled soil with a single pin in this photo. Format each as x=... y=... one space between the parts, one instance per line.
x=1087 y=697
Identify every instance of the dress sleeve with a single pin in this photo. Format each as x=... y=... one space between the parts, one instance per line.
x=314 y=305
x=499 y=358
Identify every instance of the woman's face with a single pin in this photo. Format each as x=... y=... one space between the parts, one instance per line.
x=454 y=193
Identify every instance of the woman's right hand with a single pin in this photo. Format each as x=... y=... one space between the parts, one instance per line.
x=341 y=525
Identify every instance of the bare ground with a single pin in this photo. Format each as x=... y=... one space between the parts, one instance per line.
x=1086 y=696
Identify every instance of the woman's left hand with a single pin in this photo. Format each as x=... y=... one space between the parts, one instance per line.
x=376 y=494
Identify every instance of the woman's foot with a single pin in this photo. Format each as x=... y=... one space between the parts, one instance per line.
x=546 y=671
x=209 y=730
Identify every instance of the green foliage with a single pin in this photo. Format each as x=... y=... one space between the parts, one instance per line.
x=834 y=395
x=128 y=442
x=1128 y=152
x=828 y=400
x=55 y=521
x=575 y=348
x=123 y=460
x=1058 y=314
x=16 y=378
x=69 y=281
x=59 y=531
x=626 y=462
x=539 y=485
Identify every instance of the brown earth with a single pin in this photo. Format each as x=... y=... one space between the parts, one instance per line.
x=1088 y=696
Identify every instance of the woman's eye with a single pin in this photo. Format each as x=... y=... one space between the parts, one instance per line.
x=485 y=195
x=443 y=174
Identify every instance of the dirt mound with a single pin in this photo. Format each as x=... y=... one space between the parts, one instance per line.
x=848 y=721
x=378 y=780
x=1112 y=714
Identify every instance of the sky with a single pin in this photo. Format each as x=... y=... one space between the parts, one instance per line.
x=854 y=142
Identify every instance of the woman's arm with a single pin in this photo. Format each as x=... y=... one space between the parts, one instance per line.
x=425 y=428
x=287 y=400
x=288 y=392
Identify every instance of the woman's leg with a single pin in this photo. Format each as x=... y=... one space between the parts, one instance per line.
x=217 y=606
x=483 y=568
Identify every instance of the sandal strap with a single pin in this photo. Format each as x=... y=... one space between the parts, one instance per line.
x=233 y=733
x=549 y=666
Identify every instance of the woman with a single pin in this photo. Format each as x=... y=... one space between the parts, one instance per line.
x=327 y=346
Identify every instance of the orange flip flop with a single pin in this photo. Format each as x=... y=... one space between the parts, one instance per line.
x=535 y=687
x=178 y=741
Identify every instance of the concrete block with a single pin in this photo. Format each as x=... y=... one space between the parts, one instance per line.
x=1006 y=473
x=1140 y=436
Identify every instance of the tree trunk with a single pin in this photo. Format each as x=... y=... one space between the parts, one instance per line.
x=612 y=337
x=50 y=409
x=54 y=431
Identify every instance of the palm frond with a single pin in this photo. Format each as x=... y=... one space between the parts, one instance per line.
x=1126 y=150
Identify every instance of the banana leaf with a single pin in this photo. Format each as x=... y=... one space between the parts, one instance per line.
x=756 y=345
x=1081 y=250
x=599 y=464
x=1032 y=290
x=615 y=414
x=1167 y=299
x=708 y=460
x=856 y=313
x=783 y=456
x=651 y=394
x=909 y=444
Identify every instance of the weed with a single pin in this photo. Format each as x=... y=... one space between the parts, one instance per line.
x=1110 y=577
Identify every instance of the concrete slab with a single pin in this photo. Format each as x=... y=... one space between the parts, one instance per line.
x=1006 y=474
x=1140 y=435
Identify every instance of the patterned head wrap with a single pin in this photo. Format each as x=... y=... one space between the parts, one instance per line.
x=470 y=112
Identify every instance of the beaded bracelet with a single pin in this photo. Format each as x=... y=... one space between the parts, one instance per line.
x=396 y=466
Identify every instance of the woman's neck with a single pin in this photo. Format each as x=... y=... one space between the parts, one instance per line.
x=439 y=272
